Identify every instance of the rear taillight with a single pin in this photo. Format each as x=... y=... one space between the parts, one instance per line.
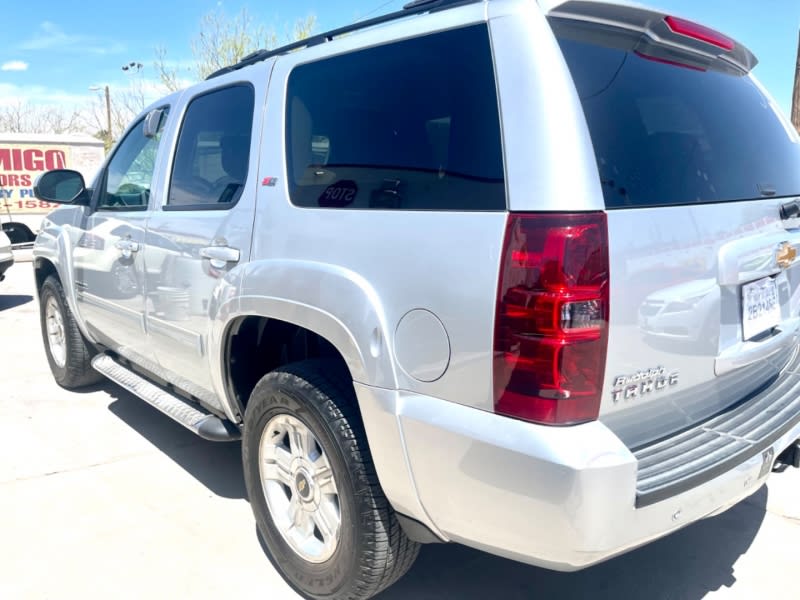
x=551 y=321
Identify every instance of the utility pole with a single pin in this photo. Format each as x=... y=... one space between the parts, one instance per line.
x=109 y=137
x=108 y=119
x=796 y=94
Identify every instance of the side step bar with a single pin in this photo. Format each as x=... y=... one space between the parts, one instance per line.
x=188 y=414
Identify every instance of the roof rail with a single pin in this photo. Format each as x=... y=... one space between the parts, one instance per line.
x=412 y=8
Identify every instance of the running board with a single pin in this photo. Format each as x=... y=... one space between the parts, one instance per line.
x=190 y=415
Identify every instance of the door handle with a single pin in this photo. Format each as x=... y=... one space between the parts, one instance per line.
x=127 y=247
x=220 y=255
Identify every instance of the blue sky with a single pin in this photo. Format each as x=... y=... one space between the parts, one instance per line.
x=67 y=47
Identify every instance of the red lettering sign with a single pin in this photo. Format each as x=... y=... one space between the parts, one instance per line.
x=31 y=159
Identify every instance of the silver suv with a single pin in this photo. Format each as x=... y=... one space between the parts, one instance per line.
x=513 y=275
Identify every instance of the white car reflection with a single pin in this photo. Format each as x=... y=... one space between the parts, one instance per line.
x=685 y=312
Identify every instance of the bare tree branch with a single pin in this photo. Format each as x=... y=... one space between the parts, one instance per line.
x=26 y=117
x=167 y=75
x=224 y=41
x=220 y=42
x=303 y=28
x=126 y=103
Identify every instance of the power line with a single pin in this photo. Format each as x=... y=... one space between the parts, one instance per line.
x=376 y=9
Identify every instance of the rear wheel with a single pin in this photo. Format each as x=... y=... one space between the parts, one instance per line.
x=68 y=352
x=314 y=492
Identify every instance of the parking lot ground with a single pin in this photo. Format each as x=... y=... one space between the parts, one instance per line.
x=101 y=496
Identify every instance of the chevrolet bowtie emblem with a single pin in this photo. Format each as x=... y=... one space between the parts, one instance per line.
x=785 y=255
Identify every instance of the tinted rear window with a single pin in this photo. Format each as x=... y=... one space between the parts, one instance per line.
x=411 y=125
x=667 y=134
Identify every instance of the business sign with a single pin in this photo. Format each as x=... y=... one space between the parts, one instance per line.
x=22 y=163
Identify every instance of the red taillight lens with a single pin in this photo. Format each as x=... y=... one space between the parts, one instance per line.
x=666 y=61
x=551 y=321
x=698 y=32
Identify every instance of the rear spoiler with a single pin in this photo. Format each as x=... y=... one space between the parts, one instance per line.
x=662 y=30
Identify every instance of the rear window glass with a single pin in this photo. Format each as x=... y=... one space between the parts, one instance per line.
x=411 y=125
x=667 y=134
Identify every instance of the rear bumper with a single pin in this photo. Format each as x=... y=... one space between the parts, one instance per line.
x=749 y=429
x=560 y=498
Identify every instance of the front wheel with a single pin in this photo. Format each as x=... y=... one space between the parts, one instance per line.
x=319 y=507
x=68 y=352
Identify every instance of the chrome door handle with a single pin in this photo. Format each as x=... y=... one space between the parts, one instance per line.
x=220 y=255
x=127 y=247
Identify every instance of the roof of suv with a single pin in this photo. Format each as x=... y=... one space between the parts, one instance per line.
x=655 y=25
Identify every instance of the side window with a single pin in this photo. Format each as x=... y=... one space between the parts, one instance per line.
x=213 y=152
x=411 y=125
x=129 y=175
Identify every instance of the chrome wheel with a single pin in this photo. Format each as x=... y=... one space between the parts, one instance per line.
x=300 y=489
x=56 y=339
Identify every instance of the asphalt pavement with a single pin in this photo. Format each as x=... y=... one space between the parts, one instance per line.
x=101 y=496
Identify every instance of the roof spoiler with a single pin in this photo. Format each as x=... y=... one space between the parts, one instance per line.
x=663 y=30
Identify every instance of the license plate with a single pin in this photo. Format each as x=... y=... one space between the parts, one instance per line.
x=761 y=310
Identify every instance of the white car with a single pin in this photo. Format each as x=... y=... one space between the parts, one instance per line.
x=6 y=256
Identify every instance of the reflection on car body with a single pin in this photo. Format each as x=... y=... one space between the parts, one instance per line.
x=685 y=312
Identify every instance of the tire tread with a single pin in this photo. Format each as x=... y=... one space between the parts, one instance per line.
x=388 y=553
x=78 y=371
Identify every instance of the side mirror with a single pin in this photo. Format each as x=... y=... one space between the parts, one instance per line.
x=152 y=122
x=61 y=186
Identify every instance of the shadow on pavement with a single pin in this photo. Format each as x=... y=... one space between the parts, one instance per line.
x=217 y=465
x=13 y=300
x=687 y=565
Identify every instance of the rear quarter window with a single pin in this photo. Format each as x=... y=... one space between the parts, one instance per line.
x=669 y=134
x=411 y=125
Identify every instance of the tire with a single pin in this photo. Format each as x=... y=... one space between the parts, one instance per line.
x=70 y=360
x=371 y=551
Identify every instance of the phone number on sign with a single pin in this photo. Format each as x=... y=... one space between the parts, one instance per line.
x=29 y=205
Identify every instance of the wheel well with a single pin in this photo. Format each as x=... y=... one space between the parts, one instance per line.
x=42 y=270
x=257 y=345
